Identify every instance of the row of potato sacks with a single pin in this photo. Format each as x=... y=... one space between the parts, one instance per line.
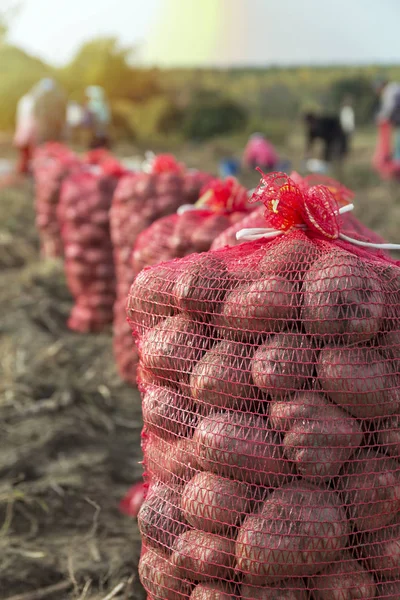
x=52 y=162
x=270 y=389
x=140 y=200
x=84 y=217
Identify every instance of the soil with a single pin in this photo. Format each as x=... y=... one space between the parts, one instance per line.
x=69 y=435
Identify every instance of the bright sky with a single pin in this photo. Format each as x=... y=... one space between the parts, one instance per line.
x=217 y=32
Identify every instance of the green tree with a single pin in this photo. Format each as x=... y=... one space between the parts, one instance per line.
x=104 y=62
x=209 y=115
x=360 y=89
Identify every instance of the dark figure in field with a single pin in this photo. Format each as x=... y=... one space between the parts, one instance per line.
x=329 y=130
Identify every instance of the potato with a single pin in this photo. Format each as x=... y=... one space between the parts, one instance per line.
x=160 y=518
x=291 y=257
x=300 y=529
x=284 y=364
x=388 y=435
x=283 y=414
x=180 y=241
x=262 y=307
x=212 y=591
x=160 y=578
x=171 y=462
x=222 y=378
x=389 y=347
x=202 y=285
x=382 y=552
x=172 y=348
x=388 y=590
x=205 y=234
x=322 y=441
x=359 y=380
x=201 y=556
x=344 y=580
x=151 y=297
x=292 y=589
x=167 y=413
x=370 y=490
x=390 y=276
x=214 y=504
x=240 y=446
x=343 y=299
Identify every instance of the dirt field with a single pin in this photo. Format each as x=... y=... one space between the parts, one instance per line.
x=70 y=430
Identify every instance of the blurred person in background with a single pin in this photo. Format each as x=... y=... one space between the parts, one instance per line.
x=24 y=137
x=40 y=118
x=329 y=130
x=75 y=120
x=347 y=121
x=259 y=152
x=50 y=111
x=98 y=117
x=389 y=111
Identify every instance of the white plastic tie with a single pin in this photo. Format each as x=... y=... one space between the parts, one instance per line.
x=253 y=234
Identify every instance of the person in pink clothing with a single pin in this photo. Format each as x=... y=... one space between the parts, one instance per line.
x=259 y=152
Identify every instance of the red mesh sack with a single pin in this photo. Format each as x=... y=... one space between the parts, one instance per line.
x=271 y=398
x=84 y=217
x=140 y=200
x=52 y=163
x=350 y=224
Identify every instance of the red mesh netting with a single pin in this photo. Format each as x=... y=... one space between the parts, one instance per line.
x=84 y=217
x=350 y=225
x=52 y=163
x=140 y=200
x=271 y=403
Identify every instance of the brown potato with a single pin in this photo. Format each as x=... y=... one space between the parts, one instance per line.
x=382 y=552
x=171 y=462
x=167 y=413
x=370 y=490
x=172 y=348
x=388 y=435
x=390 y=276
x=344 y=580
x=388 y=590
x=160 y=577
x=284 y=364
x=240 y=446
x=262 y=307
x=160 y=518
x=359 y=380
x=202 y=556
x=205 y=234
x=291 y=257
x=212 y=591
x=300 y=529
x=222 y=378
x=389 y=346
x=283 y=414
x=343 y=299
x=322 y=441
x=180 y=241
x=151 y=297
x=214 y=504
x=201 y=287
x=292 y=589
